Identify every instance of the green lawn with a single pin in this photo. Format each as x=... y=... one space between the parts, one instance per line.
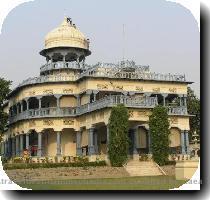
x=128 y=183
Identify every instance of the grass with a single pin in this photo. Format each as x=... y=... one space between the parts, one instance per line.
x=128 y=183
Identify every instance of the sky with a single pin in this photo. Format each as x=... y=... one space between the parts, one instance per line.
x=161 y=34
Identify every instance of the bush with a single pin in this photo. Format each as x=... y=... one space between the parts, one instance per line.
x=118 y=135
x=159 y=130
x=51 y=165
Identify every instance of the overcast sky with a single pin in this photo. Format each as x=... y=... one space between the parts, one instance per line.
x=161 y=34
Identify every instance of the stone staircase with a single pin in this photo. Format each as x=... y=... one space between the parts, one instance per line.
x=143 y=168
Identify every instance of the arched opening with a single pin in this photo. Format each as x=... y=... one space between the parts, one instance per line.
x=172 y=100
x=33 y=141
x=33 y=103
x=175 y=141
x=24 y=104
x=142 y=140
x=159 y=97
x=100 y=139
x=48 y=101
x=19 y=107
x=14 y=108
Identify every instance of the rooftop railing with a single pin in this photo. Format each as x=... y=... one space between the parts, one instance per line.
x=108 y=101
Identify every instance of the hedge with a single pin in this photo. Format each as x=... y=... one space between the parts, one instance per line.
x=8 y=166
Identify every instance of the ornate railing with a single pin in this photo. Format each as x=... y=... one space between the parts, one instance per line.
x=122 y=70
x=179 y=110
x=108 y=101
x=59 y=65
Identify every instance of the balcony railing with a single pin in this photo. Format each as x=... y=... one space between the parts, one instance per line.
x=59 y=65
x=180 y=110
x=108 y=101
x=123 y=70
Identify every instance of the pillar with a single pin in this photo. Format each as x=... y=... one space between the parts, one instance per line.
x=17 y=145
x=107 y=138
x=95 y=134
x=135 y=132
x=149 y=142
x=183 y=142
x=27 y=104
x=21 y=144
x=40 y=103
x=185 y=101
x=187 y=142
x=21 y=107
x=13 y=146
x=164 y=99
x=58 y=102
x=78 y=100
x=39 y=151
x=91 y=150
x=27 y=141
x=58 y=141
x=78 y=140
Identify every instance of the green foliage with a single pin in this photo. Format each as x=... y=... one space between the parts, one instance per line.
x=159 y=130
x=193 y=107
x=118 y=135
x=4 y=91
x=8 y=166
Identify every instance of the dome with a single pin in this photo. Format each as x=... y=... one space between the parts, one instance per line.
x=66 y=35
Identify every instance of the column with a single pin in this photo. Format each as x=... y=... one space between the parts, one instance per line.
x=187 y=142
x=21 y=144
x=40 y=103
x=58 y=141
x=164 y=99
x=27 y=141
x=27 y=104
x=95 y=134
x=185 y=101
x=78 y=140
x=135 y=132
x=149 y=142
x=91 y=150
x=107 y=138
x=21 y=107
x=180 y=100
x=183 y=142
x=39 y=150
x=78 y=100
x=13 y=146
x=94 y=95
x=17 y=145
x=58 y=102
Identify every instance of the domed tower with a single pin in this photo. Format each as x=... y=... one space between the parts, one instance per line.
x=65 y=49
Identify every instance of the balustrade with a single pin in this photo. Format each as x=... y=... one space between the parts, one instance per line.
x=107 y=101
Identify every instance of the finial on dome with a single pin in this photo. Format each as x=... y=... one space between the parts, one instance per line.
x=66 y=21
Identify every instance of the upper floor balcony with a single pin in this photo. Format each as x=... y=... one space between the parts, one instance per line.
x=106 y=102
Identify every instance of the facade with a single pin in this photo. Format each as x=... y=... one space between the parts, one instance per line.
x=65 y=111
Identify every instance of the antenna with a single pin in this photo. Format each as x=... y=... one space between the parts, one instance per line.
x=123 y=43
x=64 y=12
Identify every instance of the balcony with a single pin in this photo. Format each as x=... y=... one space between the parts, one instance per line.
x=106 y=102
x=59 y=65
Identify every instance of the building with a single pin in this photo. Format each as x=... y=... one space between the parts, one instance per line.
x=65 y=111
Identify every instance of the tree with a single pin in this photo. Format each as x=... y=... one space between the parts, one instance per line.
x=159 y=130
x=193 y=107
x=4 y=91
x=118 y=135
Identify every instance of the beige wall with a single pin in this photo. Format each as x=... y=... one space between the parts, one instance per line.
x=68 y=142
x=68 y=101
x=174 y=137
x=51 y=147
